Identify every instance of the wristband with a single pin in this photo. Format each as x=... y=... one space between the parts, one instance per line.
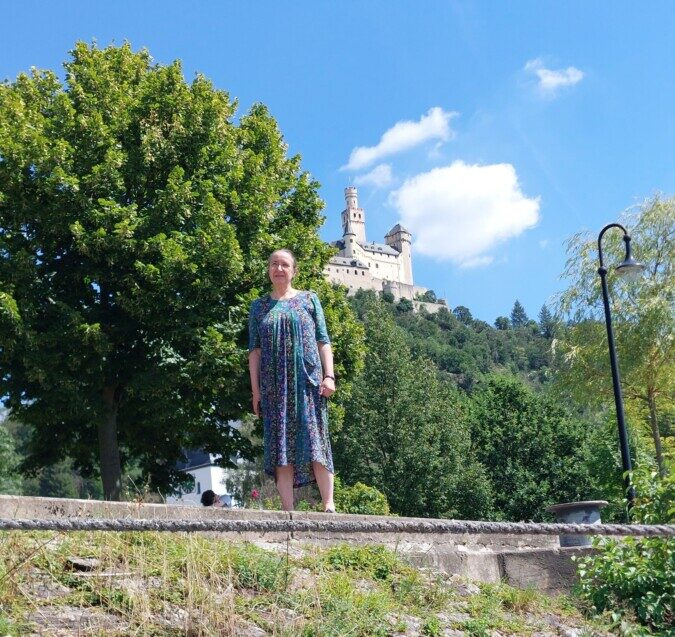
x=329 y=376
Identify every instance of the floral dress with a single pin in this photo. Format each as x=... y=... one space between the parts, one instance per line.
x=295 y=419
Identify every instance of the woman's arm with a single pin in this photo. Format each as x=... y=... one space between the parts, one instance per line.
x=328 y=382
x=254 y=371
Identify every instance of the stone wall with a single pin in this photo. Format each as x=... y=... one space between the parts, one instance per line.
x=522 y=560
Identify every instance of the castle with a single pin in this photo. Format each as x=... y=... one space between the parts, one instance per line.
x=363 y=264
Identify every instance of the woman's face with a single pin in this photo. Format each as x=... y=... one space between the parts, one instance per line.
x=281 y=269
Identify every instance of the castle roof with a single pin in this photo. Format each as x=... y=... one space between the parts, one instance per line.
x=398 y=228
x=378 y=248
x=354 y=263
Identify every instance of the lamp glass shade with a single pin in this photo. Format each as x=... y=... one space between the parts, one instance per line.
x=630 y=269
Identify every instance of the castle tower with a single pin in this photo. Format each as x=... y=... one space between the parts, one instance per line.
x=348 y=235
x=353 y=217
x=400 y=239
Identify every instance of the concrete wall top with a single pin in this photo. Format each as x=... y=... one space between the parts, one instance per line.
x=46 y=508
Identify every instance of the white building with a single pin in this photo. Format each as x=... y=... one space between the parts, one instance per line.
x=363 y=264
x=207 y=475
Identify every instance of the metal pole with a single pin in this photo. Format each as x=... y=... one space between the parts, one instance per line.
x=616 y=379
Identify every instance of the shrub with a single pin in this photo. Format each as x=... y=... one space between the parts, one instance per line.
x=360 y=498
x=635 y=578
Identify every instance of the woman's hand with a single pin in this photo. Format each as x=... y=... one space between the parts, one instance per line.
x=256 y=403
x=327 y=387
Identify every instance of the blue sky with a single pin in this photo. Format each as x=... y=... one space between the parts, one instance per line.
x=493 y=130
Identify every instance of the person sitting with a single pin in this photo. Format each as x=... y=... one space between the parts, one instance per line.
x=211 y=499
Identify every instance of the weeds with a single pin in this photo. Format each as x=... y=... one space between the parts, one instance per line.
x=155 y=584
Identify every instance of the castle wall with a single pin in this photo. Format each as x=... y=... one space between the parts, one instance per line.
x=382 y=266
x=351 y=277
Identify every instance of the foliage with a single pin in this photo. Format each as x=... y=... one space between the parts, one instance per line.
x=10 y=480
x=405 y=430
x=547 y=322
x=191 y=584
x=429 y=296
x=136 y=215
x=643 y=319
x=533 y=451
x=502 y=323
x=404 y=305
x=466 y=349
x=518 y=315
x=634 y=579
x=359 y=498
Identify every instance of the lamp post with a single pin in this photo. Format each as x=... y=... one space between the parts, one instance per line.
x=628 y=268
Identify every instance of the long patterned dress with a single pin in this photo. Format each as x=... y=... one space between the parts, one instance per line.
x=295 y=418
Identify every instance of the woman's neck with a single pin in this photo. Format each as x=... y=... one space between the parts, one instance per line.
x=280 y=293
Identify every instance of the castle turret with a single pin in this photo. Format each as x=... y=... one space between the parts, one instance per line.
x=400 y=239
x=353 y=217
x=348 y=237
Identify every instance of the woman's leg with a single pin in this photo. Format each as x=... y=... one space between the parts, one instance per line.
x=285 y=486
x=324 y=479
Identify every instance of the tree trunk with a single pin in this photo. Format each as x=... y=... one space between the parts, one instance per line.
x=656 y=435
x=111 y=467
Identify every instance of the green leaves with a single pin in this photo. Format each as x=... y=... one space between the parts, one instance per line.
x=643 y=320
x=533 y=450
x=136 y=217
x=405 y=432
x=634 y=579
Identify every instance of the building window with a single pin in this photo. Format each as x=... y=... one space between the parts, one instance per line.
x=377 y=265
x=199 y=487
x=363 y=273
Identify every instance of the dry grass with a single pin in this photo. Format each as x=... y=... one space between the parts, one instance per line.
x=152 y=584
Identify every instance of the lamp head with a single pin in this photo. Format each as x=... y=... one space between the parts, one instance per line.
x=629 y=269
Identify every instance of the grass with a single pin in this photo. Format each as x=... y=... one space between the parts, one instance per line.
x=179 y=584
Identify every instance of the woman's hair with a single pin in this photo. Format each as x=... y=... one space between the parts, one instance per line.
x=287 y=251
x=208 y=498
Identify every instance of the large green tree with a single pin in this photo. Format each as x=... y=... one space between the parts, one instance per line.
x=405 y=431
x=136 y=215
x=643 y=315
x=535 y=454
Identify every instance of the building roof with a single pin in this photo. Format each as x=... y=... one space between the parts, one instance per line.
x=346 y=261
x=378 y=248
x=398 y=228
x=195 y=458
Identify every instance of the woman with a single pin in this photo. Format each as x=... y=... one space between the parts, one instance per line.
x=291 y=365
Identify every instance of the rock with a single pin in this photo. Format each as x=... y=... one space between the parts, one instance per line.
x=301 y=579
x=42 y=585
x=67 y=621
x=567 y=631
x=463 y=587
x=467 y=589
x=455 y=617
x=85 y=564
x=413 y=625
x=249 y=629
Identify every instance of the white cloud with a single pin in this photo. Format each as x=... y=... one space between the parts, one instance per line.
x=460 y=212
x=379 y=177
x=551 y=80
x=477 y=262
x=543 y=244
x=403 y=136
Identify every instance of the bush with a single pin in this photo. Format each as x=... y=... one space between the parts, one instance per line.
x=360 y=498
x=634 y=579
